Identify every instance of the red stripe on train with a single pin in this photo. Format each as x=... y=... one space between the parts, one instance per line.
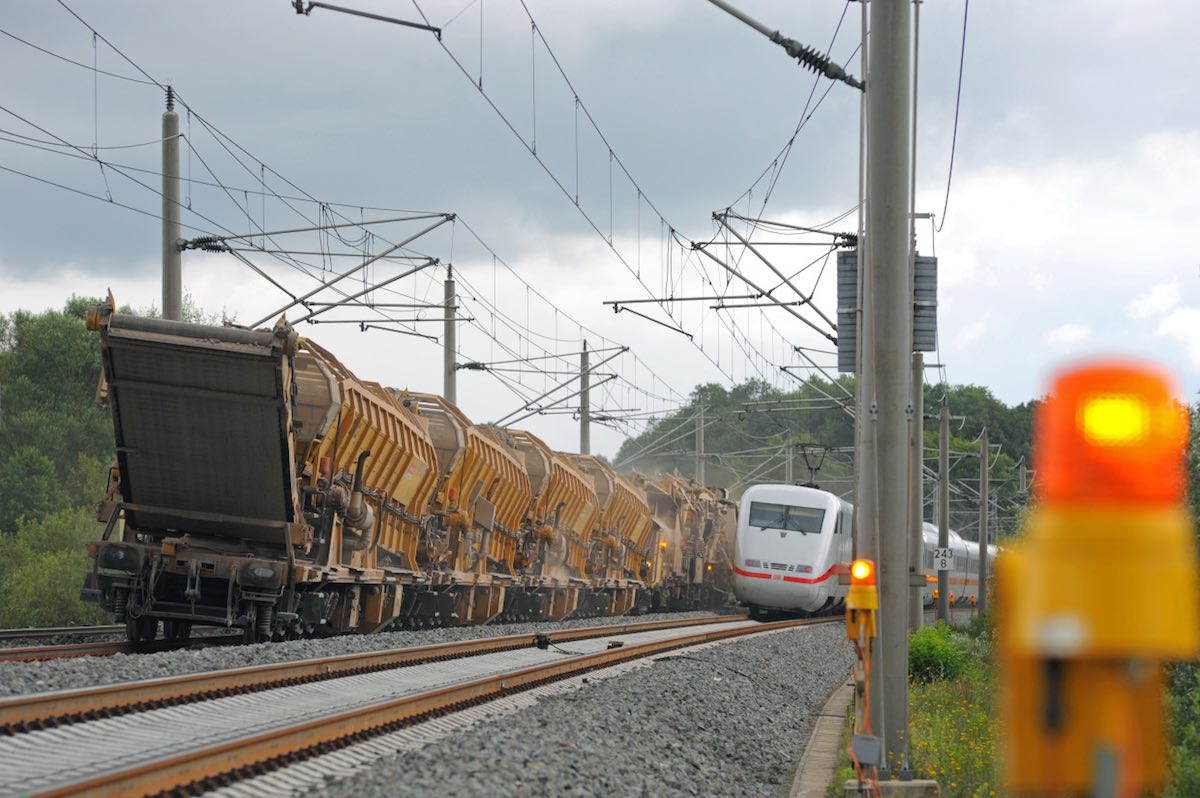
x=786 y=578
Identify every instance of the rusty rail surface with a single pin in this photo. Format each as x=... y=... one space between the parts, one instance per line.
x=103 y=649
x=42 y=710
x=223 y=763
x=40 y=632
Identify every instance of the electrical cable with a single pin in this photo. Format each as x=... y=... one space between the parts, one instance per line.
x=962 y=56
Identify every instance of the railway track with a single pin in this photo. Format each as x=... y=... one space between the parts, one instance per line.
x=109 y=647
x=205 y=730
x=50 y=632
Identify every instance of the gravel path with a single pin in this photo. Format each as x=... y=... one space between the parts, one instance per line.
x=727 y=720
x=31 y=677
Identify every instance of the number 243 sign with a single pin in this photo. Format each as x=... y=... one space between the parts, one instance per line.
x=943 y=559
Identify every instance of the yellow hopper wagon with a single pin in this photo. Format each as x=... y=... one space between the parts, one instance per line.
x=474 y=528
x=258 y=485
x=556 y=531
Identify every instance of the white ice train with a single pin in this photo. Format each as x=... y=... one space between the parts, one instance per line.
x=791 y=541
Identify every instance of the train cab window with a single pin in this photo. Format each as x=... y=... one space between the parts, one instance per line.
x=765 y=515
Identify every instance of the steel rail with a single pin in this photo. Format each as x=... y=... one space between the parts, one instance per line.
x=38 y=633
x=108 y=648
x=42 y=710
x=262 y=752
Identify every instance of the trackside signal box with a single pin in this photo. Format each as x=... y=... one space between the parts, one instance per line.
x=1101 y=591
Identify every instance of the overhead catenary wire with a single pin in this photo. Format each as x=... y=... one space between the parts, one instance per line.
x=962 y=56
x=221 y=138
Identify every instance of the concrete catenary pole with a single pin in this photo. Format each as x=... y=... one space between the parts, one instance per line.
x=943 y=602
x=889 y=93
x=700 y=445
x=789 y=473
x=916 y=496
x=172 y=279
x=585 y=403
x=984 y=457
x=449 y=341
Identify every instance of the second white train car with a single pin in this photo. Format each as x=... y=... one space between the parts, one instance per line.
x=791 y=540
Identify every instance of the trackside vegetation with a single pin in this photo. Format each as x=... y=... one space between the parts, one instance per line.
x=56 y=447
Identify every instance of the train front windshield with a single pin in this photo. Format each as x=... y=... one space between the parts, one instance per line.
x=765 y=515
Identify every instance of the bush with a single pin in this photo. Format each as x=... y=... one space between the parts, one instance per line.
x=954 y=733
x=42 y=568
x=979 y=626
x=1185 y=722
x=934 y=652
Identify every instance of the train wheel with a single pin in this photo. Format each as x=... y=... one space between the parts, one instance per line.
x=250 y=630
x=141 y=630
x=757 y=613
x=177 y=630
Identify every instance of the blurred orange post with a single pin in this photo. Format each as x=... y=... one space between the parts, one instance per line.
x=1102 y=590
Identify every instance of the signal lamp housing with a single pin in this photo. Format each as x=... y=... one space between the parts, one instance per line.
x=862 y=572
x=1113 y=432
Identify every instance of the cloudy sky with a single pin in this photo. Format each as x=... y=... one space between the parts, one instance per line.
x=1067 y=231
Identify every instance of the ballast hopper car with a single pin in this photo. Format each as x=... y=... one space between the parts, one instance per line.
x=619 y=563
x=694 y=567
x=556 y=541
x=260 y=485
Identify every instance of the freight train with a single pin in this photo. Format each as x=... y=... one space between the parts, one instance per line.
x=260 y=485
x=791 y=541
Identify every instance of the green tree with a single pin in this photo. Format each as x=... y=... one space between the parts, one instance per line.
x=29 y=488
x=42 y=568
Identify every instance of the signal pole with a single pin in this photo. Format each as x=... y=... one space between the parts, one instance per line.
x=943 y=577
x=585 y=406
x=172 y=279
x=449 y=342
x=700 y=445
x=889 y=134
x=984 y=457
x=916 y=496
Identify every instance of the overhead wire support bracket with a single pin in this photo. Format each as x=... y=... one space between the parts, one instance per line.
x=306 y=10
x=618 y=309
x=841 y=239
x=807 y=298
x=205 y=242
x=762 y=291
x=367 y=262
x=364 y=327
x=807 y=56
x=364 y=292
x=661 y=300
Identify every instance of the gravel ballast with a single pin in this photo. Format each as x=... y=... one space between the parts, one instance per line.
x=726 y=720
x=32 y=677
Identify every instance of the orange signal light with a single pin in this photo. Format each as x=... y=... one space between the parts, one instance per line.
x=862 y=572
x=1112 y=432
x=662 y=544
